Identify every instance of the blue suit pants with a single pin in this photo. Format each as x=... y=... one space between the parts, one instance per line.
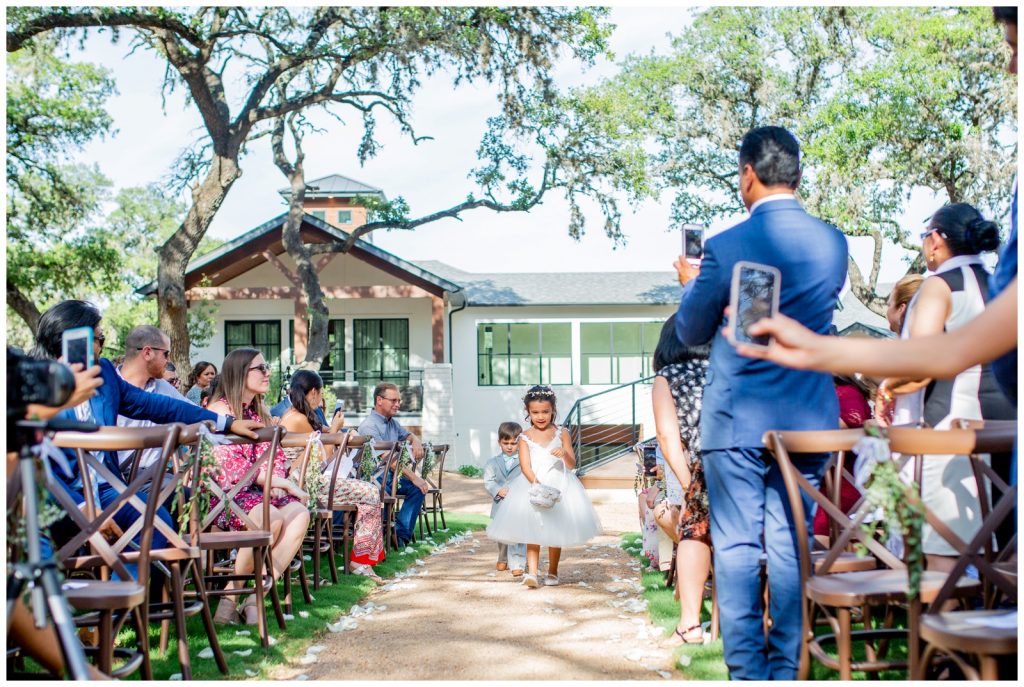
x=747 y=497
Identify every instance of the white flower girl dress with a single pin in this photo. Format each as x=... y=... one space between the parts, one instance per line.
x=570 y=522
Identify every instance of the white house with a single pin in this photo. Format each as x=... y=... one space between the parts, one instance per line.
x=463 y=347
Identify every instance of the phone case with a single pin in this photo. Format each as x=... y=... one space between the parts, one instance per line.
x=734 y=294
x=74 y=335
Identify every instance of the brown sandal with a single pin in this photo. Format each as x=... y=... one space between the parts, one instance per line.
x=227 y=612
x=682 y=635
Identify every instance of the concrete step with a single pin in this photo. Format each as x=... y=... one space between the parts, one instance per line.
x=607 y=482
x=618 y=474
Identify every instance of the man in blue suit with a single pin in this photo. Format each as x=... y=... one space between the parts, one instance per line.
x=744 y=398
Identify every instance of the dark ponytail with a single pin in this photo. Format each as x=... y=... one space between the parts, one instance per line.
x=966 y=232
x=302 y=382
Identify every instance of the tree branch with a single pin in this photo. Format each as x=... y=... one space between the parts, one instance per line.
x=100 y=17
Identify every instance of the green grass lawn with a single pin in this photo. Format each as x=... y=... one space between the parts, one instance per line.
x=706 y=662
x=329 y=604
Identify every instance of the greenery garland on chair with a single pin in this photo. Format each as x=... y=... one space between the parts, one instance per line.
x=899 y=502
x=204 y=460
x=427 y=464
x=367 y=462
x=316 y=480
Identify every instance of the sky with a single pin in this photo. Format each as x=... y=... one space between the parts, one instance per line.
x=151 y=129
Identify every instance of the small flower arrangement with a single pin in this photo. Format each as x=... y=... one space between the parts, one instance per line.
x=316 y=480
x=427 y=464
x=204 y=460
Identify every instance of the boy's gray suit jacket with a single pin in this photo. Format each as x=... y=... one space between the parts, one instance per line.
x=496 y=477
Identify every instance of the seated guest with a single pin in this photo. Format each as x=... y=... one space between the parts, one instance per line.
x=199 y=379
x=244 y=378
x=171 y=373
x=115 y=397
x=306 y=394
x=381 y=425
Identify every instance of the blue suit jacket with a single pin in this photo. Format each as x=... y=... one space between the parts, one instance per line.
x=118 y=397
x=744 y=397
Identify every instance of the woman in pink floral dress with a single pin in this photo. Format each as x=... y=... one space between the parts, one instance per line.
x=244 y=379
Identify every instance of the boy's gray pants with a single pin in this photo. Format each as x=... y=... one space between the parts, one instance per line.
x=514 y=554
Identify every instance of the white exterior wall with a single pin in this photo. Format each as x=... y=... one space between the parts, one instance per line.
x=342 y=271
x=480 y=409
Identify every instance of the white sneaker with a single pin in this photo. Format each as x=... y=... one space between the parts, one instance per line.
x=530 y=581
x=552 y=581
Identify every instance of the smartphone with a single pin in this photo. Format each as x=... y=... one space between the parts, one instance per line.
x=339 y=406
x=76 y=346
x=754 y=295
x=650 y=459
x=693 y=241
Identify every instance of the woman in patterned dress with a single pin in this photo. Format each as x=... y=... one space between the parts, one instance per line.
x=677 y=394
x=306 y=394
x=244 y=379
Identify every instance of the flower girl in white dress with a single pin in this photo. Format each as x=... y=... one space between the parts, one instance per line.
x=545 y=456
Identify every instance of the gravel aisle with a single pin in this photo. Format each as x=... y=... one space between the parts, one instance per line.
x=455 y=618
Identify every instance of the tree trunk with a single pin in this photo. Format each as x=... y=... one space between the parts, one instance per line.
x=291 y=237
x=174 y=255
x=23 y=305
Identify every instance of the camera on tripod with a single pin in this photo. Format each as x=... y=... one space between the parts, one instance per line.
x=46 y=382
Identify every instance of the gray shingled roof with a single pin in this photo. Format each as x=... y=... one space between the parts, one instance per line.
x=336 y=186
x=855 y=311
x=558 y=288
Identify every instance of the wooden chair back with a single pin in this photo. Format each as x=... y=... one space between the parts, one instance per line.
x=92 y=521
x=994 y=438
x=271 y=436
x=440 y=453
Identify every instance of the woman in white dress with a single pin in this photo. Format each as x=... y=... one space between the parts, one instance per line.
x=545 y=457
x=953 y=295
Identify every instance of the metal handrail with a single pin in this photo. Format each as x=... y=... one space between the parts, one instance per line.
x=606 y=407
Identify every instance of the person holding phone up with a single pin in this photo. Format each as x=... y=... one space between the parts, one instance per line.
x=744 y=398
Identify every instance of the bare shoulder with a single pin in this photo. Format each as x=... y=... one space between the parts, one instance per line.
x=219 y=407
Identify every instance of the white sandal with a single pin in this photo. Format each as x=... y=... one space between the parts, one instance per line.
x=366 y=571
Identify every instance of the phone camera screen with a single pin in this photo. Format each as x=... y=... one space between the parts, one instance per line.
x=78 y=351
x=756 y=295
x=693 y=243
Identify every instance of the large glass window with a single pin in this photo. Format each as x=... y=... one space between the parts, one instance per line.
x=617 y=352
x=264 y=336
x=524 y=354
x=335 y=360
x=381 y=350
x=344 y=217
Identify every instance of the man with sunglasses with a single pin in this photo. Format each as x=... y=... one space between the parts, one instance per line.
x=381 y=425
x=146 y=353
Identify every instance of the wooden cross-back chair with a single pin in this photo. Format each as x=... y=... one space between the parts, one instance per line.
x=389 y=454
x=258 y=536
x=324 y=531
x=435 y=493
x=968 y=638
x=108 y=604
x=835 y=595
x=314 y=542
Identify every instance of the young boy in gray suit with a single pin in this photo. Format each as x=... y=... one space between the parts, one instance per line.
x=499 y=471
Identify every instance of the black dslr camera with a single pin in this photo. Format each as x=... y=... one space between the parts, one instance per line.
x=46 y=382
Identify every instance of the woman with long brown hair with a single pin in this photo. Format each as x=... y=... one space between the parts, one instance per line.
x=244 y=379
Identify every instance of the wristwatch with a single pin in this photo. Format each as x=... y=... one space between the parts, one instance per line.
x=228 y=421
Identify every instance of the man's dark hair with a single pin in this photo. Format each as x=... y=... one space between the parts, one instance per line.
x=55 y=321
x=774 y=154
x=1005 y=15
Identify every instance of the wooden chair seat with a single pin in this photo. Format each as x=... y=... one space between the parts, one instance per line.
x=165 y=555
x=876 y=587
x=972 y=647
x=105 y=595
x=219 y=541
x=848 y=561
x=952 y=631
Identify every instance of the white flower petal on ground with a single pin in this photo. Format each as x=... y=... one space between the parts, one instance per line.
x=424 y=573
x=175 y=676
x=471 y=551
x=408 y=549
x=343 y=625
x=303 y=614
x=492 y=574
x=241 y=633
x=315 y=649
x=251 y=673
x=206 y=653
x=288 y=616
x=583 y=584
x=684 y=661
x=242 y=652
x=271 y=640
x=307 y=557
x=420 y=561
x=308 y=660
x=635 y=655
x=302 y=677
x=665 y=674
